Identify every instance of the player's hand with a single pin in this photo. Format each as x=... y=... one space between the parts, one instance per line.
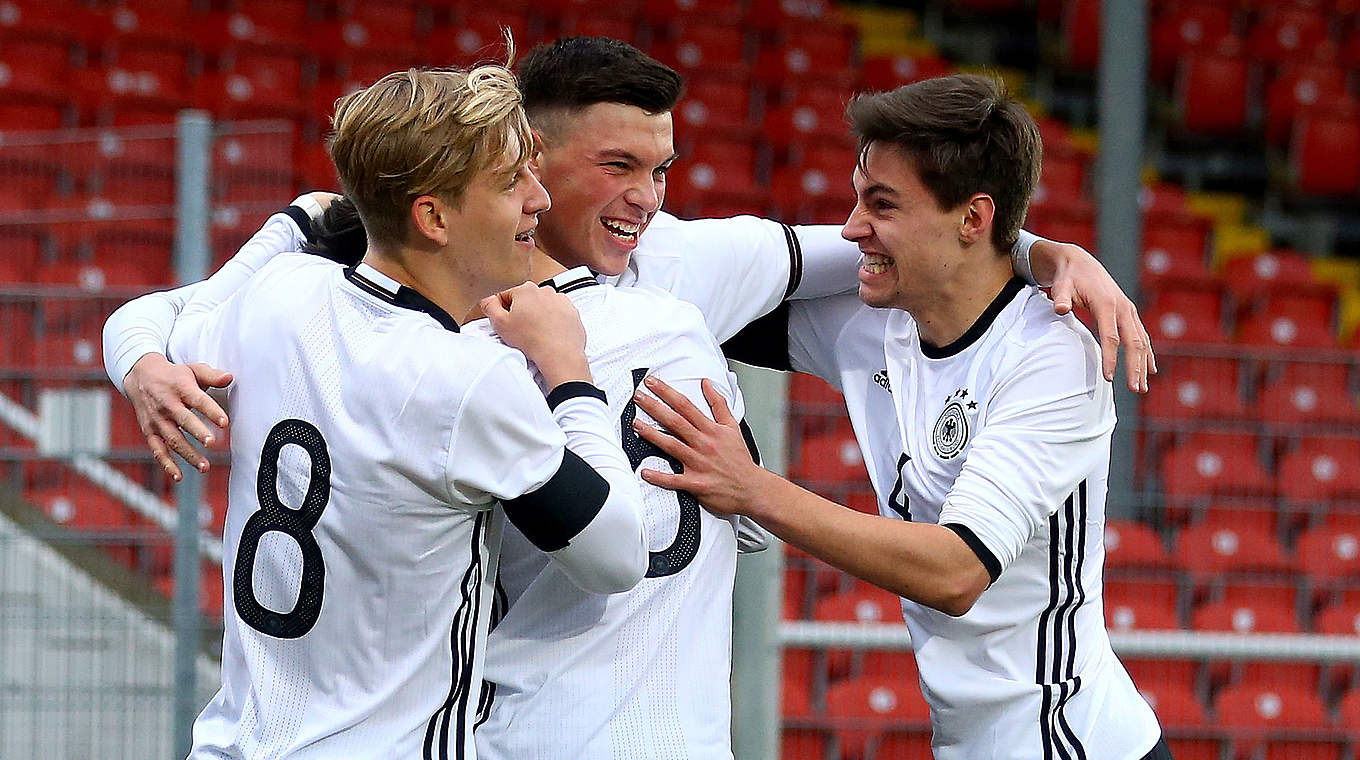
x=717 y=465
x=545 y=326
x=323 y=199
x=1079 y=280
x=165 y=396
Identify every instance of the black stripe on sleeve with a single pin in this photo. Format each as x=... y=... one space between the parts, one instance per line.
x=303 y=219
x=553 y=514
x=574 y=389
x=984 y=554
x=795 y=260
x=764 y=342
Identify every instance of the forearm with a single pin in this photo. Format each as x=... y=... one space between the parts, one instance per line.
x=610 y=553
x=924 y=562
x=139 y=327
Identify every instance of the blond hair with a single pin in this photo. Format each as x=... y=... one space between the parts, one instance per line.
x=424 y=132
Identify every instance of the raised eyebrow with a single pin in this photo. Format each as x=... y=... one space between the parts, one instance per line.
x=673 y=158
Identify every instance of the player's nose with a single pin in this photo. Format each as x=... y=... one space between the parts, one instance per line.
x=646 y=195
x=537 y=200
x=856 y=226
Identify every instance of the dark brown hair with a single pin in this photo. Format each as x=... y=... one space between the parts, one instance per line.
x=575 y=72
x=964 y=135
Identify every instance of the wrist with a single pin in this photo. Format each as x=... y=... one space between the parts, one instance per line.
x=568 y=369
x=1022 y=259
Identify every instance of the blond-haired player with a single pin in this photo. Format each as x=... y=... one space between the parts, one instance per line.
x=375 y=445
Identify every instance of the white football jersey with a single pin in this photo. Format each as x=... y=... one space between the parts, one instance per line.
x=740 y=268
x=1004 y=436
x=644 y=673
x=370 y=443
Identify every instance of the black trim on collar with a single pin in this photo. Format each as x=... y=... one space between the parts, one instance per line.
x=795 y=260
x=970 y=336
x=301 y=218
x=404 y=297
x=572 y=279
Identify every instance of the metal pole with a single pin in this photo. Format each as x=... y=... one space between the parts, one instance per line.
x=1119 y=225
x=193 y=150
x=760 y=577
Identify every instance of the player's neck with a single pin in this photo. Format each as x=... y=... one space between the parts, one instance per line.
x=544 y=267
x=958 y=303
x=442 y=284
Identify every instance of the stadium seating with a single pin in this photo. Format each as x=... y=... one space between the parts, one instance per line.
x=870 y=709
x=1276 y=710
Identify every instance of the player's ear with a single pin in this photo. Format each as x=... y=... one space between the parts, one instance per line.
x=430 y=220
x=975 y=224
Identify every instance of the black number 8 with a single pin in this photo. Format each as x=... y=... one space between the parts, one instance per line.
x=682 y=550
x=297 y=524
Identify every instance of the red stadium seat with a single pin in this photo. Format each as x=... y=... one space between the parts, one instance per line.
x=1174 y=249
x=1081 y=33
x=1123 y=587
x=1214 y=464
x=1302 y=89
x=280 y=27
x=1348 y=710
x=715 y=49
x=1138 y=614
x=868 y=707
x=1184 y=721
x=809 y=54
x=715 y=106
x=1269 y=330
x=1211 y=550
x=1338 y=620
x=1225 y=112
x=1193 y=387
x=1321 y=469
x=476 y=38
x=862 y=604
x=1286 y=33
x=831 y=457
x=1250 y=275
x=715 y=170
x=1245 y=618
x=1279 y=709
x=1290 y=401
x=797 y=683
x=880 y=73
x=1325 y=155
x=1184 y=29
x=1132 y=545
x=716 y=12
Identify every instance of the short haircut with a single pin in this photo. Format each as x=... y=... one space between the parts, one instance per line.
x=575 y=72
x=963 y=134
x=424 y=132
x=339 y=234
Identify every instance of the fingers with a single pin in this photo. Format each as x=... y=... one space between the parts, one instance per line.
x=1137 y=349
x=161 y=452
x=721 y=414
x=493 y=308
x=670 y=410
x=663 y=479
x=209 y=376
x=668 y=444
x=1062 y=296
x=178 y=443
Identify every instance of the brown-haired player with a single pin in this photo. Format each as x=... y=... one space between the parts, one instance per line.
x=377 y=451
x=985 y=424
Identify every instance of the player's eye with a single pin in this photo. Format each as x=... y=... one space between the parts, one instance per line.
x=661 y=171
x=616 y=165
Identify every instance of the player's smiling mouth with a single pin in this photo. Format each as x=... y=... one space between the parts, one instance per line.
x=623 y=230
x=874 y=263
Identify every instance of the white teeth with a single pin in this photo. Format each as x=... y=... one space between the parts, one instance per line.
x=875 y=264
x=625 y=230
x=525 y=236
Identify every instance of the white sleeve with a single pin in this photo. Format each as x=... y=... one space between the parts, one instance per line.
x=142 y=326
x=139 y=327
x=1047 y=427
x=736 y=270
x=561 y=476
x=830 y=263
x=814 y=334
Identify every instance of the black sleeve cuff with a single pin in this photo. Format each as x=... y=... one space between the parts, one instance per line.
x=764 y=342
x=750 y=438
x=795 y=260
x=303 y=219
x=983 y=553
x=574 y=389
x=553 y=514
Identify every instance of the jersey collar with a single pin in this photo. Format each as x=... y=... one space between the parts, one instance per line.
x=971 y=335
x=572 y=279
x=379 y=285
